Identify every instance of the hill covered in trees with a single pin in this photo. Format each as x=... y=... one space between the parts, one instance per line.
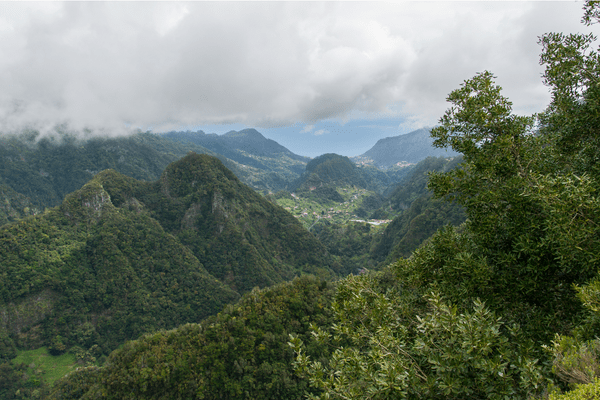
x=37 y=172
x=121 y=257
x=240 y=353
x=328 y=171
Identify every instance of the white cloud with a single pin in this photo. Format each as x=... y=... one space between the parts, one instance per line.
x=307 y=129
x=108 y=65
x=321 y=132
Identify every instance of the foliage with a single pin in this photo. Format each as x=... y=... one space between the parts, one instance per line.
x=581 y=392
x=38 y=172
x=270 y=165
x=40 y=362
x=16 y=382
x=209 y=210
x=241 y=353
x=442 y=354
x=332 y=170
x=121 y=257
x=465 y=316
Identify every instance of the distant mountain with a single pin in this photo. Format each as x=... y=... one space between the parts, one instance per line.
x=332 y=170
x=248 y=141
x=409 y=148
x=45 y=170
x=248 y=147
x=37 y=173
x=420 y=214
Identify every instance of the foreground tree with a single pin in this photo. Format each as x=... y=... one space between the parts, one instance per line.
x=468 y=313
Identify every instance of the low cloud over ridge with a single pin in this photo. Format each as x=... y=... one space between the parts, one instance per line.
x=164 y=65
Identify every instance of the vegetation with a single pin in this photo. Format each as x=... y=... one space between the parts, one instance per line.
x=121 y=257
x=332 y=170
x=240 y=353
x=37 y=172
x=505 y=305
x=474 y=312
x=271 y=165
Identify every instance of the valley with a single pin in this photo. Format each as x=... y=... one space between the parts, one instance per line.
x=144 y=257
x=130 y=251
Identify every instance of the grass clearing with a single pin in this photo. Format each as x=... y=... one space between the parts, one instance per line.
x=44 y=366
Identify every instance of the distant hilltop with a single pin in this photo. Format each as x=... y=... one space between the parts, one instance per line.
x=403 y=149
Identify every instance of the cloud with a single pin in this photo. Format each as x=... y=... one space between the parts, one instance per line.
x=321 y=132
x=307 y=129
x=113 y=66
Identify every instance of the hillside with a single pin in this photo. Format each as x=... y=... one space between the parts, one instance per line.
x=408 y=148
x=95 y=271
x=121 y=257
x=242 y=353
x=242 y=238
x=373 y=241
x=38 y=172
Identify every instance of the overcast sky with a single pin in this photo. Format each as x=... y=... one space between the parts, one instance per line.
x=316 y=77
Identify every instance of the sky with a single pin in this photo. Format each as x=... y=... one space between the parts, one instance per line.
x=317 y=77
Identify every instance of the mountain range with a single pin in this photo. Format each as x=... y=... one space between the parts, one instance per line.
x=108 y=239
x=120 y=257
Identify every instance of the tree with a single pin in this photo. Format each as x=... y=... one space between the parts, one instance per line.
x=468 y=313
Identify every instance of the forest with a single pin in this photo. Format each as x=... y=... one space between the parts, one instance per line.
x=485 y=284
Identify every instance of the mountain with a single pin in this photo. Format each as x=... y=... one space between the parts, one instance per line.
x=121 y=257
x=36 y=173
x=242 y=238
x=248 y=141
x=97 y=271
x=250 y=148
x=419 y=214
x=44 y=170
x=409 y=148
x=328 y=171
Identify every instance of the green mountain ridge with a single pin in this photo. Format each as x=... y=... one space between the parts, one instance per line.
x=122 y=257
x=250 y=148
x=38 y=172
x=240 y=353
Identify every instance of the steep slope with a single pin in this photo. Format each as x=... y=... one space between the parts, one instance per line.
x=416 y=216
x=411 y=147
x=45 y=170
x=38 y=173
x=122 y=257
x=248 y=141
x=241 y=238
x=13 y=205
x=91 y=273
x=420 y=216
